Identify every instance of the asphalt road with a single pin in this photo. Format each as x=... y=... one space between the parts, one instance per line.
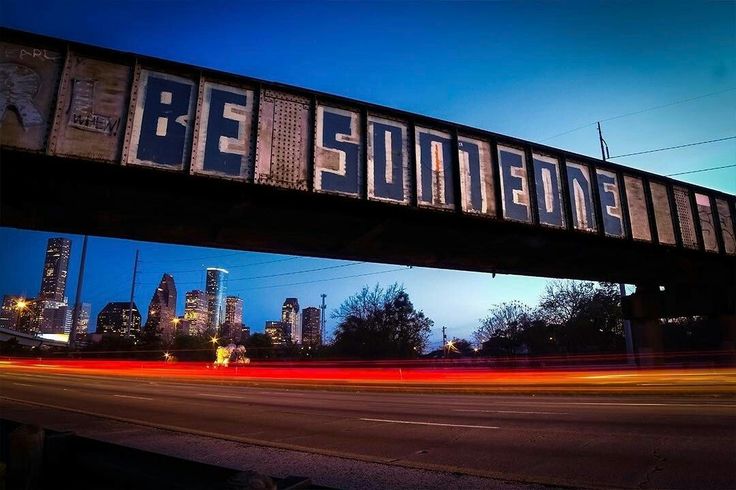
x=580 y=441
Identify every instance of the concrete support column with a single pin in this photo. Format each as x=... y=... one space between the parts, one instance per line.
x=646 y=330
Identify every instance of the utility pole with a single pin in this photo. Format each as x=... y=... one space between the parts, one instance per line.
x=78 y=296
x=621 y=287
x=132 y=293
x=323 y=307
x=444 y=342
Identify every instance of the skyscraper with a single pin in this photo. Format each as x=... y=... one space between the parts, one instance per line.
x=234 y=310
x=162 y=309
x=10 y=311
x=232 y=326
x=114 y=317
x=55 y=269
x=83 y=318
x=196 y=312
x=291 y=320
x=275 y=330
x=311 y=326
x=215 y=293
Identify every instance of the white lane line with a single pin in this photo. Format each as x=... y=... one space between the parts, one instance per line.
x=24 y=384
x=410 y=422
x=134 y=397
x=510 y=411
x=222 y=396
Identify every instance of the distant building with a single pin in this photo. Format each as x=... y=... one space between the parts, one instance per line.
x=275 y=330
x=195 y=313
x=10 y=311
x=52 y=317
x=215 y=289
x=162 y=309
x=55 y=270
x=234 y=310
x=291 y=321
x=311 y=326
x=83 y=316
x=115 y=317
x=244 y=332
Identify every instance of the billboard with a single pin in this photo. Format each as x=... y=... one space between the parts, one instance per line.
x=74 y=101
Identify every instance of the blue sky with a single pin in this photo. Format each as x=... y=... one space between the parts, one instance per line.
x=531 y=70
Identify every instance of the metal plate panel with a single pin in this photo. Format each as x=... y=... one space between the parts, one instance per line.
x=338 y=151
x=222 y=133
x=580 y=196
x=435 y=173
x=161 y=129
x=726 y=222
x=662 y=213
x=476 y=176
x=707 y=227
x=610 y=198
x=637 y=204
x=283 y=139
x=549 y=190
x=92 y=109
x=388 y=161
x=514 y=185
x=685 y=217
x=29 y=77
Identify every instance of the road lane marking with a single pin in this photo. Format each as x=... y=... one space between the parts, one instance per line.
x=509 y=411
x=23 y=384
x=222 y=396
x=411 y=422
x=134 y=397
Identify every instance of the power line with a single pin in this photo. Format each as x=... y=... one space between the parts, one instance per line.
x=395 y=269
x=674 y=147
x=701 y=170
x=653 y=108
x=239 y=266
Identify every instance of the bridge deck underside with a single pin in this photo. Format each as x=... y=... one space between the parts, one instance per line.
x=49 y=193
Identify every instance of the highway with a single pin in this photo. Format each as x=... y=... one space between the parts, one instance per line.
x=621 y=441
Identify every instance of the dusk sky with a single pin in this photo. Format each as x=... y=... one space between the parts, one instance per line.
x=657 y=74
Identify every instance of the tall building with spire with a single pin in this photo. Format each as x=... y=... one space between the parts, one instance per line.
x=162 y=309
x=196 y=312
x=215 y=288
x=291 y=320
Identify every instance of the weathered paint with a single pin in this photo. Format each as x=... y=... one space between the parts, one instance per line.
x=514 y=186
x=222 y=134
x=337 y=152
x=476 y=176
x=434 y=167
x=685 y=217
x=549 y=190
x=580 y=196
x=707 y=227
x=29 y=77
x=282 y=145
x=92 y=109
x=726 y=224
x=637 y=208
x=388 y=161
x=662 y=213
x=162 y=121
x=610 y=199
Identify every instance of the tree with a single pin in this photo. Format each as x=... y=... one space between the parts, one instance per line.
x=380 y=323
x=259 y=346
x=587 y=317
x=502 y=327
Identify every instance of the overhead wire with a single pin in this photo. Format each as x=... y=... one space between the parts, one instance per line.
x=673 y=147
x=633 y=113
